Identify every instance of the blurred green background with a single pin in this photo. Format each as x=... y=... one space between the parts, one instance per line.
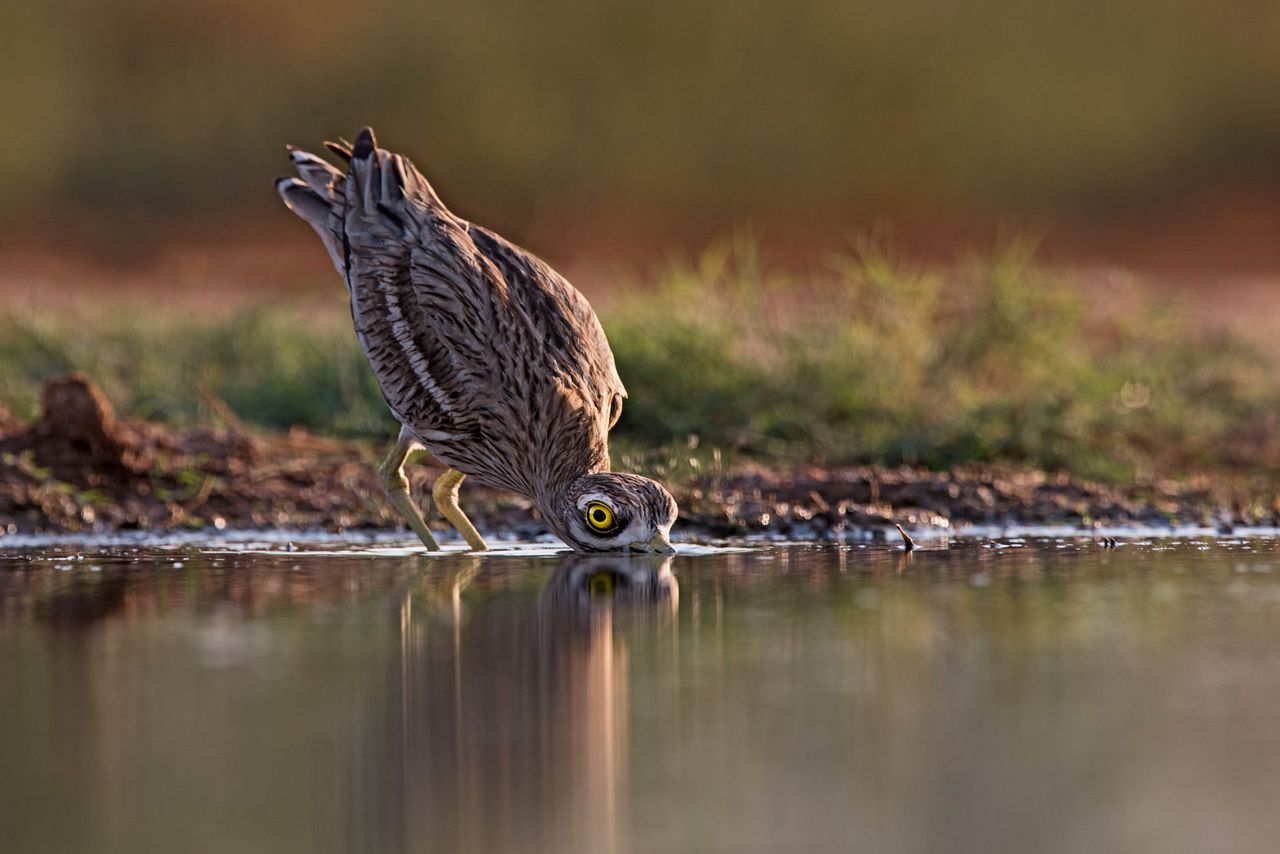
x=664 y=111
x=649 y=132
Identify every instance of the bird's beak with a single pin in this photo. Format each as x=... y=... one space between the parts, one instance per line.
x=660 y=544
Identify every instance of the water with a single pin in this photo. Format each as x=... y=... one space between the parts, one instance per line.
x=1028 y=696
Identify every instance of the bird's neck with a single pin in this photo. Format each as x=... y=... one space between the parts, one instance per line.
x=572 y=445
x=553 y=495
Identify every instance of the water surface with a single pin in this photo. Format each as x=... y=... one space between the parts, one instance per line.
x=1014 y=695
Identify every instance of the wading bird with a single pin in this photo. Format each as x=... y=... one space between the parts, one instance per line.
x=489 y=359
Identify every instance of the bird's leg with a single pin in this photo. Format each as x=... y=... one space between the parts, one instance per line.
x=446 y=494
x=391 y=472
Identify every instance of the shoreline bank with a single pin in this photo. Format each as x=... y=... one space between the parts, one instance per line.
x=79 y=468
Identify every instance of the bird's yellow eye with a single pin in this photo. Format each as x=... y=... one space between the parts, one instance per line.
x=600 y=517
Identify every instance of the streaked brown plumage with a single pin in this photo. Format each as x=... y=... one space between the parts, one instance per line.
x=489 y=359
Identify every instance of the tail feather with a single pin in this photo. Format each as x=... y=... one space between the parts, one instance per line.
x=319 y=174
x=382 y=180
x=303 y=200
x=318 y=199
x=341 y=148
x=372 y=194
x=366 y=144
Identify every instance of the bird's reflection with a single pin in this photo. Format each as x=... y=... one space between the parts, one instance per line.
x=513 y=730
x=582 y=590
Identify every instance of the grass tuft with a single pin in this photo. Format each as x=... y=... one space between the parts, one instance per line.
x=871 y=359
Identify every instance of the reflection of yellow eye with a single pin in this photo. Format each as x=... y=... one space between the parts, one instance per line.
x=600 y=517
x=600 y=584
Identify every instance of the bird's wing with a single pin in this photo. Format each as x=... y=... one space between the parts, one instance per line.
x=563 y=326
x=406 y=258
x=464 y=330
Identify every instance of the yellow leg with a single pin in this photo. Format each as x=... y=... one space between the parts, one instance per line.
x=406 y=451
x=446 y=494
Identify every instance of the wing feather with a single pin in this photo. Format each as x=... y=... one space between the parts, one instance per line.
x=469 y=336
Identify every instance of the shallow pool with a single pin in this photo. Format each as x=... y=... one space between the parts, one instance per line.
x=978 y=696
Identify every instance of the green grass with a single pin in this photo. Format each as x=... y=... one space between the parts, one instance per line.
x=869 y=359
x=996 y=361
x=272 y=365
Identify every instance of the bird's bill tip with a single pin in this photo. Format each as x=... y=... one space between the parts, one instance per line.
x=659 y=543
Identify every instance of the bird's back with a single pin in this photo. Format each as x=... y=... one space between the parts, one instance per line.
x=482 y=350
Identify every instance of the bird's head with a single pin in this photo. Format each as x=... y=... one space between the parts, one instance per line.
x=612 y=512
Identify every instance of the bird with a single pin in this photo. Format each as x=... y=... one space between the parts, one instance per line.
x=488 y=358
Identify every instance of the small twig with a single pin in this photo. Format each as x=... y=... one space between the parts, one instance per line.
x=219 y=409
x=908 y=544
x=202 y=495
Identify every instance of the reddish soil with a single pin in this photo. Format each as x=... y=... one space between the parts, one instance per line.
x=79 y=467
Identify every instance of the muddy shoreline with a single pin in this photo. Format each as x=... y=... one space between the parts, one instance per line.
x=79 y=468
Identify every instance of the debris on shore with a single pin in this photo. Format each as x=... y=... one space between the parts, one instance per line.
x=79 y=467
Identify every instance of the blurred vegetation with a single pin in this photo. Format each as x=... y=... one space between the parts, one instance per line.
x=742 y=108
x=871 y=359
